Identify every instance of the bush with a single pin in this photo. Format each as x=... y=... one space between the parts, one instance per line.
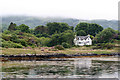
x=66 y=45
x=109 y=45
x=9 y=44
x=6 y=37
x=104 y=46
x=23 y=42
x=59 y=47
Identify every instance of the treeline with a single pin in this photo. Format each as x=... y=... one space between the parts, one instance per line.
x=55 y=33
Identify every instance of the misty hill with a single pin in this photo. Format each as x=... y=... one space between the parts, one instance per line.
x=35 y=21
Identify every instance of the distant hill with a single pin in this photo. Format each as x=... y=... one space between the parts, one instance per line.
x=32 y=22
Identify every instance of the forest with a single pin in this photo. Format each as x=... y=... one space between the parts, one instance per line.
x=57 y=34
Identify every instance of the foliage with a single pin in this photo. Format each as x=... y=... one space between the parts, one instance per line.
x=40 y=29
x=56 y=27
x=55 y=40
x=81 y=33
x=23 y=42
x=104 y=46
x=7 y=32
x=105 y=36
x=12 y=26
x=23 y=28
x=42 y=35
x=6 y=37
x=54 y=34
x=93 y=29
x=88 y=28
x=9 y=44
x=66 y=45
x=58 y=39
x=68 y=37
x=59 y=47
x=43 y=41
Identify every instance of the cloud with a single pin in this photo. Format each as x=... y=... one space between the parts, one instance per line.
x=82 y=9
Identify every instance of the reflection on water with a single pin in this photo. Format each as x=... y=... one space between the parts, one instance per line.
x=91 y=68
x=71 y=68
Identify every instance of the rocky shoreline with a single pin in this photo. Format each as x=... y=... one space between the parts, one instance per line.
x=47 y=56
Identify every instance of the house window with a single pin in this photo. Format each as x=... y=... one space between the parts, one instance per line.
x=79 y=42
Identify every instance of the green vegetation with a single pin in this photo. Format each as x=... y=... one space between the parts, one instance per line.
x=88 y=28
x=50 y=35
x=59 y=35
x=72 y=50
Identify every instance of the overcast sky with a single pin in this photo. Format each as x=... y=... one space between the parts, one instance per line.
x=80 y=9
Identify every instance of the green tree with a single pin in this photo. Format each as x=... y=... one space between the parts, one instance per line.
x=88 y=28
x=12 y=26
x=68 y=37
x=55 y=40
x=40 y=29
x=82 y=26
x=81 y=33
x=105 y=36
x=56 y=27
x=44 y=41
x=94 y=29
x=23 y=28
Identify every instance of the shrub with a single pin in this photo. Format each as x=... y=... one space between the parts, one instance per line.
x=104 y=46
x=59 y=47
x=6 y=37
x=23 y=42
x=10 y=44
x=109 y=45
x=66 y=45
x=6 y=32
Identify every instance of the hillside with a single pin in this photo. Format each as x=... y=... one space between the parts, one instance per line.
x=35 y=21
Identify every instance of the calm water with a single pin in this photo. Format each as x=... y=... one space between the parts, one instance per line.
x=69 y=68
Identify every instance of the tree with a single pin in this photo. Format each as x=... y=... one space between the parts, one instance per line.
x=12 y=26
x=88 y=28
x=44 y=41
x=40 y=29
x=81 y=33
x=68 y=37
x=72 y=28
x=56 y=27
x=105 y=36
x=23 y=28
x=82 y=26
x=94 y=29
x=55 y=40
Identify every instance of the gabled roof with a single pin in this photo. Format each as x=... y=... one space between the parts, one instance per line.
x=82 y=37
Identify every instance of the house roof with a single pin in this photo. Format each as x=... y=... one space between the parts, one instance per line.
x=82 y=37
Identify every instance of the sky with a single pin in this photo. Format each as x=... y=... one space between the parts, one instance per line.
x=80 y=9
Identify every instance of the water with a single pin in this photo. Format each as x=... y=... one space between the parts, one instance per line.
x=70 y=68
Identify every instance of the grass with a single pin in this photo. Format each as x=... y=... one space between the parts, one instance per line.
x=73 y=50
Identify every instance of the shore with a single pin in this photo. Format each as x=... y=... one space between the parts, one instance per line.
x=45 y=53
x=48 y=50
x=51 y=57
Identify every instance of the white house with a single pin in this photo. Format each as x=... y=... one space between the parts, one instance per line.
x=83 y=40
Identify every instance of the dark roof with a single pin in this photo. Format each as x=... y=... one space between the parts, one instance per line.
x=82 y=37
